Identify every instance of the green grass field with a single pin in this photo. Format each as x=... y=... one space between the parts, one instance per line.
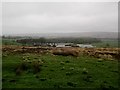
x=9 y=42
x=107 y=43
x=60 y=72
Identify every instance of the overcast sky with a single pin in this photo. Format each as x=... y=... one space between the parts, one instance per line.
x=59 y=17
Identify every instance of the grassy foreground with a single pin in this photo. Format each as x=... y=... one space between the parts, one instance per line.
x=60 y=72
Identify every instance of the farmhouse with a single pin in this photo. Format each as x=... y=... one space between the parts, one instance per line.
x=85 y=45
x=45 y=44
x=74 y=45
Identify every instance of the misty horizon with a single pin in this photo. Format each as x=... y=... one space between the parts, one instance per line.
x=59 y=17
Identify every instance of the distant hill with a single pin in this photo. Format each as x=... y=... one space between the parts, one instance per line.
x=82 y=34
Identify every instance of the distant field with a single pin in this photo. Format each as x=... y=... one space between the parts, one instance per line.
x=107 y=43
x=9 y=42
x=104 y=43
x=60 y=72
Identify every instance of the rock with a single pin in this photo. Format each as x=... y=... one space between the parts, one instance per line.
x=62 y=63
x=68 y=73
x=63 y=68
x=43 y=79
x=85 y=71
x=72 y=68
x=71 y=84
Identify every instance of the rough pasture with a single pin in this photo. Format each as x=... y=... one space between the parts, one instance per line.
x=65 y=52
x=22 y=49
x=104 y=53
x=26 y=67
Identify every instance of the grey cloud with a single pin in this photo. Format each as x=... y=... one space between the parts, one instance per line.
x=59 y=17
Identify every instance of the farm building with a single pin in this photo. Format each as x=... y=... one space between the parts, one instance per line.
x=74 y=45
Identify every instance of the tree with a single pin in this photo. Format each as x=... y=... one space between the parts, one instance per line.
x=42 y=40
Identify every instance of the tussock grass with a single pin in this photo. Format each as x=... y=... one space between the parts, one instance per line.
x=58 y=72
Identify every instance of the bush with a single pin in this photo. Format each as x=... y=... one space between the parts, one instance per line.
x=28 y=66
